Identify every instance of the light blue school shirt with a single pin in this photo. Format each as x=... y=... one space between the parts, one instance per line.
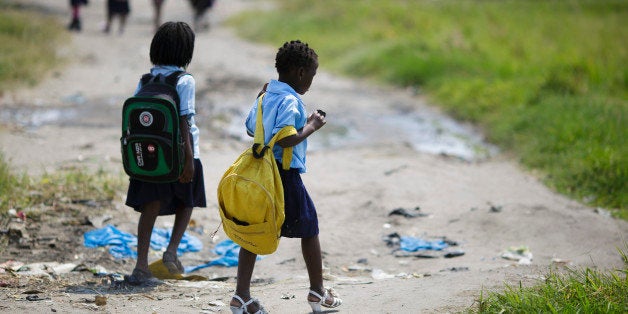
x=186 y=87
x=282 y=106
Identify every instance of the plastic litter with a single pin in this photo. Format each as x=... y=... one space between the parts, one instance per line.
x=412 y=244
x=521 y=254
x=408 y=213
x=227 y=251
x=120 y=243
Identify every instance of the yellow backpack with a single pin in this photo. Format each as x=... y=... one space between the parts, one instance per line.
x=250 y=194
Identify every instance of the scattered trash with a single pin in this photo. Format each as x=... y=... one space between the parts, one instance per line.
x=44 y=269
x=521 y=254
x=602 y=212
x=10 y=266
x=413 y=244
x=560 y=262
x=407 y=213
x=35 y=298
x=227 y=251
x=288 y=296
x=379 y=274
x=454 y=253
x=420 y=248
x=120 y=242
x=392 y=239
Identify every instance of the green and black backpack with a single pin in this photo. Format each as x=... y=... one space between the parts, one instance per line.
x=151 y=142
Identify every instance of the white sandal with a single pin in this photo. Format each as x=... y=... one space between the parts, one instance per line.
x=316 y=305
x=243 y=308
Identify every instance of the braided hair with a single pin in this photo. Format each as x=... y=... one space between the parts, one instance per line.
x=173 y=44
x=294 y=54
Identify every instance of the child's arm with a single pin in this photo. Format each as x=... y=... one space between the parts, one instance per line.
x=314 y=122
x=188 y=167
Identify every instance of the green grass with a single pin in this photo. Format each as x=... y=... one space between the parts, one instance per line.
x=29 y=41
x=546 y=80
x=21 y=192
x=576 y=291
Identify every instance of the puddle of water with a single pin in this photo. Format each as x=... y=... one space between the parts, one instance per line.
x=30 y=118
x=432 y=134
x=425 y=132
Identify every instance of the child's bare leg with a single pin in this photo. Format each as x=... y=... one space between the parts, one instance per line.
x=246 y=263
x=122 y=23
x=144 y=231
x=181 y=221
x=311 y=249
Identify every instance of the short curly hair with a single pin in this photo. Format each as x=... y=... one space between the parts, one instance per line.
x=293 y=54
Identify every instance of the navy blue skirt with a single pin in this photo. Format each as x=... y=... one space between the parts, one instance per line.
x=173 y=195
x=301 y=219
x=118 y=7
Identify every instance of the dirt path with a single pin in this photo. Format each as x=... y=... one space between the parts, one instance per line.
x=485 y=206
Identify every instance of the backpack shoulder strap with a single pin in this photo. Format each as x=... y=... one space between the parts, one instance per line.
x=146 y=78
x=174 y=77
x=171 y=79
x=258 y=142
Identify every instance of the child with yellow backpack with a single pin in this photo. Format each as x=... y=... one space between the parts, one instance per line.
x=296 y=64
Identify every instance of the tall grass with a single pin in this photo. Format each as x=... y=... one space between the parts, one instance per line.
x=547 y=80
x=576 y=291
x=28 y=45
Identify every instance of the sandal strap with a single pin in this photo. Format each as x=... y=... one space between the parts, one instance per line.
x=245 y=305
x=322 y=300
x=237 y=297
x=314 y=293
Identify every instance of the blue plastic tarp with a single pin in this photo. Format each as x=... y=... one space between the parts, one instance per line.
x=121 y=243
x=227 y=251
x=413 y=244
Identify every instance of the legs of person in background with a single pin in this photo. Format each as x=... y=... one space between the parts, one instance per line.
x=75 y=24
x=157 y=5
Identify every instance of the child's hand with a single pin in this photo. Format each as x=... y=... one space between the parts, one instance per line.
x=188 y=172
x=317 y=119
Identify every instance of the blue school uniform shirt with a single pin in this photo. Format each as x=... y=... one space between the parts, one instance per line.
x=282 y=106
x=186 y=88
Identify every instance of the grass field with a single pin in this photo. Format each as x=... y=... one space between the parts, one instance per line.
x=571 y=291
x=29 y=41
x=546 y=80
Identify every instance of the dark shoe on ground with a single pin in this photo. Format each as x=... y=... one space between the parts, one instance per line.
x=75 y=25
x=172 y=263
x=139 y=277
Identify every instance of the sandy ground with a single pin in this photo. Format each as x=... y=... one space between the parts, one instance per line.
x=485 y=205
